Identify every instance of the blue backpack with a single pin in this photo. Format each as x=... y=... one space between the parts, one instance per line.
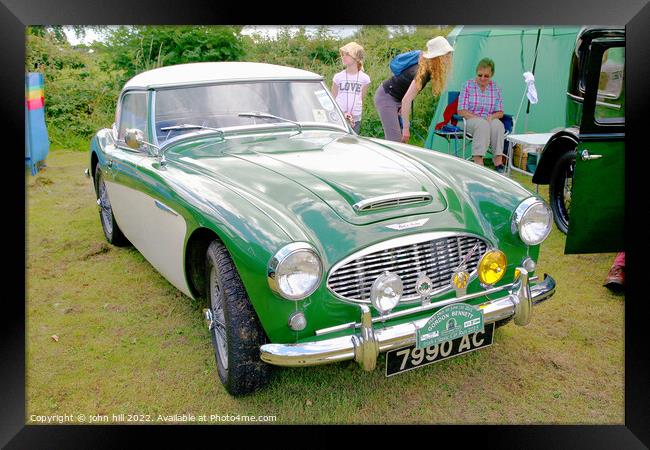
x=403 y=61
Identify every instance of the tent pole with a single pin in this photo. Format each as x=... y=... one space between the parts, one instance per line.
x=539 y=32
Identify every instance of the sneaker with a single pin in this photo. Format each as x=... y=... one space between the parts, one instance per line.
x=615 y=280
x=500 y=168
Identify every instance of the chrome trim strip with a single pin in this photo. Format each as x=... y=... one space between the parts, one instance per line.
x=165 y=207
x=608 y=105
x=419 y=309
x=363 y=348
x=397 y=197
x=575 y=97
x=598 y=102
x=400 y=242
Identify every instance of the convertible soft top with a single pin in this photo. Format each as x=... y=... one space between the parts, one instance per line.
x=211 y=72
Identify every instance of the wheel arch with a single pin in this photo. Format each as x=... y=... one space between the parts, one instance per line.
x=195 y=250
x=559 y=144
x=94 y=160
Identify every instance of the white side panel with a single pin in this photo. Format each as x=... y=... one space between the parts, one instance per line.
x=157 y=233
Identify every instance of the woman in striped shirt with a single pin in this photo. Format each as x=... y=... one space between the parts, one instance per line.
x=481 y=104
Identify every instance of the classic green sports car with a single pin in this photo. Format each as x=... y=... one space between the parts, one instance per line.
x=243 y=185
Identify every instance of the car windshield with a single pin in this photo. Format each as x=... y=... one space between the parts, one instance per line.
x=219 y=105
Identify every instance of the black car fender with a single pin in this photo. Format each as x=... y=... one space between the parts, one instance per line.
x=560 y=143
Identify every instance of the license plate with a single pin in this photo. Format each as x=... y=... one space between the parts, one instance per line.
x=409 y=358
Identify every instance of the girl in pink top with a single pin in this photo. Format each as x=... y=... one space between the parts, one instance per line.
x=351 y=85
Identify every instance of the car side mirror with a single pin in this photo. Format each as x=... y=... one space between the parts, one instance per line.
x=134 y=138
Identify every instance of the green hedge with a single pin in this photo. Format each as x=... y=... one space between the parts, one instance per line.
x=82 y=83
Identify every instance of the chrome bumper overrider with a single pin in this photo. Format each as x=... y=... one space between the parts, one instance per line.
x=366 y=344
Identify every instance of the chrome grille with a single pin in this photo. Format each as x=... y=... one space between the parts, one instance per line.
x=436 y=256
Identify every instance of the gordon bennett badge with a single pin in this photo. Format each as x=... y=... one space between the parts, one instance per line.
x=450 y=323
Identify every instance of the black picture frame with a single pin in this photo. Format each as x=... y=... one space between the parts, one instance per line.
x=16 y=14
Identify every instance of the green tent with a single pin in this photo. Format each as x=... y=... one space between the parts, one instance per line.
x=513 y=51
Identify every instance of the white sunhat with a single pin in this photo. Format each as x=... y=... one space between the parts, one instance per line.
x=437 y=46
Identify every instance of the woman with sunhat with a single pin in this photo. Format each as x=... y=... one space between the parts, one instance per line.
x=395 y=95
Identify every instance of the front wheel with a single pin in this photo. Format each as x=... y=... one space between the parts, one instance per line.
x=235 y=329
x=560 y=187
x=112 y=231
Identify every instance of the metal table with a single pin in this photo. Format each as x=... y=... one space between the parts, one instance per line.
x=534 y=141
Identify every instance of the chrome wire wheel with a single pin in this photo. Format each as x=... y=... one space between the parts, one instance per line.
x=218 y=319
x=568 y=185
x=560 y=187
x=105 y=206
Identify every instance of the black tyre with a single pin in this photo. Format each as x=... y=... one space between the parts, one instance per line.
x=560 y=187
x=236 y=332
x=111 y=230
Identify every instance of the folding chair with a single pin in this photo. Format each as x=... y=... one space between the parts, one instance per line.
x=449 y=129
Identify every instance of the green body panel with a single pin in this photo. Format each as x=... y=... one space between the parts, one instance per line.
x=573 y=113
x=598 y=181
x=263 y=190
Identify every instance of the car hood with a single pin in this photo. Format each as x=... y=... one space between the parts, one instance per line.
x=339 y=169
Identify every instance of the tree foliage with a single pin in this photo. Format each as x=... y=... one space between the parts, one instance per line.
x=79 y=92
x=135 y=49
x=82 y=83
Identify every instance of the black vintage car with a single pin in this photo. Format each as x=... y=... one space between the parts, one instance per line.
x=584 y=164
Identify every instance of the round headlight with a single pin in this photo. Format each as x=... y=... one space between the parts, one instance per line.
x=386 y=292
x=295 y=271
x=533 y=219
x=492 y=267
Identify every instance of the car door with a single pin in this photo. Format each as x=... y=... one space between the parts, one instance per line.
x=139 y=195
x=598 y=194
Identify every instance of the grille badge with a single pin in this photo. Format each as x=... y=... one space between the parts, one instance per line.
x=424 y=286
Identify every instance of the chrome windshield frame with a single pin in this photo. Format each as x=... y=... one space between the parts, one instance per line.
x=243 y=128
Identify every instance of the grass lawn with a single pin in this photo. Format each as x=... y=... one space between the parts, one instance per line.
x=107 y=335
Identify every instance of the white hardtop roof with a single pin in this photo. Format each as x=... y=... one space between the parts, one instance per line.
x=211 y=72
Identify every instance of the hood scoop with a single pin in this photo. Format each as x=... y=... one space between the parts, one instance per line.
x=393 y=200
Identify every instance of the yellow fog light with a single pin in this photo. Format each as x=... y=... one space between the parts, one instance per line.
x=492 y=267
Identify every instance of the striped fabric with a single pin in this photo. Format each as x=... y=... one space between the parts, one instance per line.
x=37 y=144
x=481 y=103
x=34 y=96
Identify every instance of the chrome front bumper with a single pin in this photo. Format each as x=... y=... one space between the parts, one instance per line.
x=365 y=345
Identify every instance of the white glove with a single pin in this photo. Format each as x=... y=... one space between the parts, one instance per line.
x=531 y=92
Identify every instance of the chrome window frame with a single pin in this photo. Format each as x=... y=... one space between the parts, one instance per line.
x=120 y=142
x=271 y=126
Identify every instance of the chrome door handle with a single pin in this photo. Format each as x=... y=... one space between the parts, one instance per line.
x=109 y=163
x=586 y=156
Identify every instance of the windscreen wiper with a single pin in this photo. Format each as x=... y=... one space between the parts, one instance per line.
x=187 y=126
x=261 y=115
